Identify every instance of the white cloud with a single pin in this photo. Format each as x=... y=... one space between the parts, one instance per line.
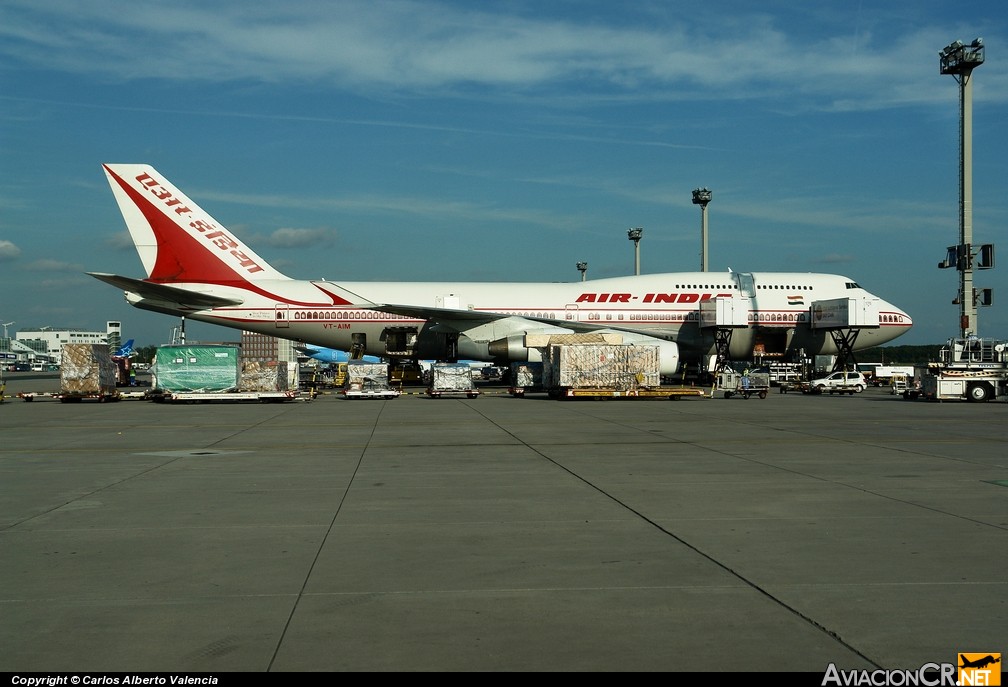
x=8 y=251
x=294 y=238
x=48 y=265
x=425 y=47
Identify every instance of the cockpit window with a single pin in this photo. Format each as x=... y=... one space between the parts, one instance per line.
x=853 y=285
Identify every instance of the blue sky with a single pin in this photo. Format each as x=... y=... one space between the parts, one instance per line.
x=463 y=141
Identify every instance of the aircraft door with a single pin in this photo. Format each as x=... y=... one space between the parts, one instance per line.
x=400 y=342
x=747 y=289
x=746 y=283
x=572 y=313
x=451 y=300
x=358 y=345
x=281 y=315
x=451 y=347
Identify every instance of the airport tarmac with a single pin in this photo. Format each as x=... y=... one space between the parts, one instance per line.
x=782 y=534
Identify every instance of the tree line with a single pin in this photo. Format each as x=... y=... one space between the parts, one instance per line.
x=900 y=355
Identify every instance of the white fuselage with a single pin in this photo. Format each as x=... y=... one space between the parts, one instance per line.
x=664 y=306
x=196 y=267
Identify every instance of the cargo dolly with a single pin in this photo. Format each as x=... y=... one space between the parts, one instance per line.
x=664 y=393
x=732 y=383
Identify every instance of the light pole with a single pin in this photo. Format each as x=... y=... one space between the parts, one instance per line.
x=702 y=196
x=635 y=236
x=582 y=268
x=959 y=60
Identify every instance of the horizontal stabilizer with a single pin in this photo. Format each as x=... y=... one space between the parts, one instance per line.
x=182 y=298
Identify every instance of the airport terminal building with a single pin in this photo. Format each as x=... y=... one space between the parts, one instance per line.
x=43 y=345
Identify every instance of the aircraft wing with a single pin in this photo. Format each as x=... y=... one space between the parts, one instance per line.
x=442 y=315
x=465 y=319
x=181 y=299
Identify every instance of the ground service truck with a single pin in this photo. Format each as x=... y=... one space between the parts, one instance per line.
x=970 y=369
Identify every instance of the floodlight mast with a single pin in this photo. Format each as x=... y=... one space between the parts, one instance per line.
x=582 y=268
x=960 y=60
x=635 y=235
x=702 y=196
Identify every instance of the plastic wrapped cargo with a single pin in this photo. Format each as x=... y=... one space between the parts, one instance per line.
x=451 y=377
x=87 y=370
x=359 y=371
x=367 y=380
x=601 y=366
x=527 y=375
x=206 y=369
x=270 y=375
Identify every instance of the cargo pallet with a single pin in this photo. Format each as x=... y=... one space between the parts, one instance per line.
x=438 y=393
x=671 y=394
x=451 y=379
x=210 y=396
x=76 y=397
x=386 y=393
x=72 y=397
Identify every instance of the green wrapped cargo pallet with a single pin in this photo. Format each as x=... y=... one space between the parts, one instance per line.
x=208 y=369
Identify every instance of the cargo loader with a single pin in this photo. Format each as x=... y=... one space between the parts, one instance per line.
x=968 y=369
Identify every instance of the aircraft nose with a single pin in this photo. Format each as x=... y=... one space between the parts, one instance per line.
x=899 y=316
x=893 y=321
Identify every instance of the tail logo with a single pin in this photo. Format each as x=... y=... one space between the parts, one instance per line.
x=210 y=232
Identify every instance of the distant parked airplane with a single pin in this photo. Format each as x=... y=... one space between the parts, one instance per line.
x=331 y=355
x=196 y=268
x=125 y=351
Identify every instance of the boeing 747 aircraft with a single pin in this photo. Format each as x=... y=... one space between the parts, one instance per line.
x=198 y=269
